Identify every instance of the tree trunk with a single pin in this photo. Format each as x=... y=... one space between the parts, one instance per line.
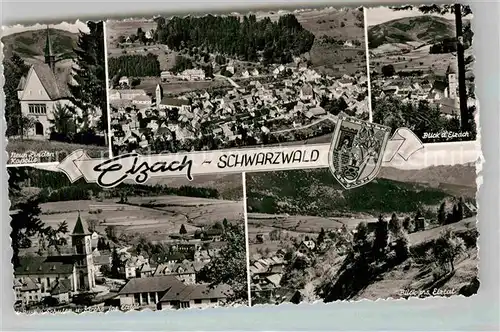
x=462 y=90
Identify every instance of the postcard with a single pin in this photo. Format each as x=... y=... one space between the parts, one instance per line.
x=242 y=159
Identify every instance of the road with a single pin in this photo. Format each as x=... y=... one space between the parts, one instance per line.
x=330 y=117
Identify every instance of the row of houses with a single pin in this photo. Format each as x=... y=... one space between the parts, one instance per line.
x=255 y=108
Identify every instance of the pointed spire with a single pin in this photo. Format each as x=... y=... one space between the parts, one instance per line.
x=79 y=228
x=48 y=44
x=49 y=54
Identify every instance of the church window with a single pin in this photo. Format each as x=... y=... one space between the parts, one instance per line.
x=37 y=108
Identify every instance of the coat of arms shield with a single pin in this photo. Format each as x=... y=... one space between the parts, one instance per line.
x=357 y=150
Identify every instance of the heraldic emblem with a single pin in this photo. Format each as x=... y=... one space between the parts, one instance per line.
x=357 y=150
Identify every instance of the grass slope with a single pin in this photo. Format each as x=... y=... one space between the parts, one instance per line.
x=425 y=29
x=31 y=44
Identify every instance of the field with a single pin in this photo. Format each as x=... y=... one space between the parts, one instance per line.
x=173 y=87
x=114 y=29
x=417 y=59
x=126 y=28
x=432 y=233
x=57 y=150
x=166 y=57
x=164 y=214
x=292 y=227
x=346 y=25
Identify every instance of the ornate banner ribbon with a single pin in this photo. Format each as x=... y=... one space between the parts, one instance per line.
x=133 y=166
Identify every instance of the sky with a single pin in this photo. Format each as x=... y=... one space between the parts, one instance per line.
x=71 y=27
x=377 y=15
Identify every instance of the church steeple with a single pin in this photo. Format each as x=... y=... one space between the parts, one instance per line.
x=79 y=227
x=50 y=58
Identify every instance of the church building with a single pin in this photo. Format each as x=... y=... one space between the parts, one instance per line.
x=166 y=103
x=41 y=90
x=61 y=276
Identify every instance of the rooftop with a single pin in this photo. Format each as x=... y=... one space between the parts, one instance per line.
x=151 y=284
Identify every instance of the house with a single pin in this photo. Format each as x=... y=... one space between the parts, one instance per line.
x=132 y=265
x=315 y=112
x=185 y=271
x=149 y=34
x=142 y=101
x=449 y=107
x=195 y=296
x=192 y=74
x=306 y=92
x=126 y=94
x=168 y=292
x=213 y=234
x=124 y=81
x=147 y=291
x=62 y=291
x=419 y=224
x=100 y=261
x=42 y=91
x=38 y=277
x=166 y=75
x=306 y=247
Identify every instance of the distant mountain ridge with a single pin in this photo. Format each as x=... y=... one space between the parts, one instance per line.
x=458 y=175
x=31 y=44
x=425 y=29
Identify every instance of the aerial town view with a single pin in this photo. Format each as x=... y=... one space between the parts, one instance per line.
x=421 y=70
x=408 y=233
x=213 y=82
x=55 y=91
x=165 y=245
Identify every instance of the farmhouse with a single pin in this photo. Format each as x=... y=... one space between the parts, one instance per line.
x=44 y=88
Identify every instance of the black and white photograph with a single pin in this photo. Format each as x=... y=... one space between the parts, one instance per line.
x=214 y=82
x=421 y=70
x=166 y=244
x=411 y=232
x=55 y=91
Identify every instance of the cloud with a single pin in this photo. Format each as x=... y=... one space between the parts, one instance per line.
x=66 y=26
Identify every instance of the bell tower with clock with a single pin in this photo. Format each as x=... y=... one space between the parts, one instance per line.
x=82 y=252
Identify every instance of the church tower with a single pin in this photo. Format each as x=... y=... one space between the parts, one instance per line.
x=451 y=75
x=82 y=252
x=159 y=95
x=50 y=58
